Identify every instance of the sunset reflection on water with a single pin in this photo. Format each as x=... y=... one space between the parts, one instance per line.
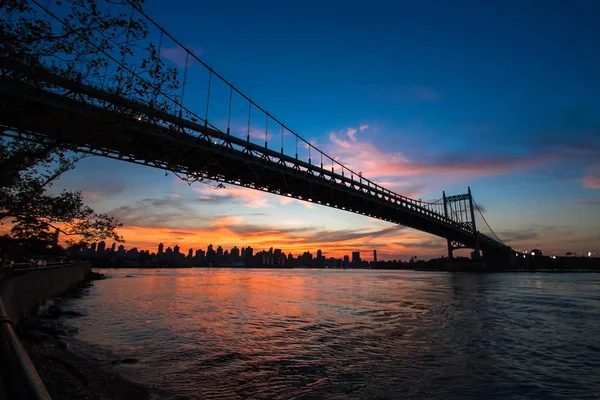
x=239 y=333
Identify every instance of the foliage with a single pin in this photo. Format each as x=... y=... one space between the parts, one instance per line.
x=97 y=43
x=35 y=213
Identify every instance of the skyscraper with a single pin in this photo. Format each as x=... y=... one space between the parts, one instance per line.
x=93 y=247
x=356 y=257
x=374 y=255
x=101 y=247
x=176 y=249
x=112 y=248
x=161 y=248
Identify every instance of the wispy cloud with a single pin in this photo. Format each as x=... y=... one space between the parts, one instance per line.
x=250 y=197
x=290 y=200
x=589 y=202
x=592 y=180
x=365 y=156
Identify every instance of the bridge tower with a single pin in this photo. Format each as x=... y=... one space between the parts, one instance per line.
x=459 y=208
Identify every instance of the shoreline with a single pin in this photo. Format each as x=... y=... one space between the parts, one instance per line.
x=69 y=374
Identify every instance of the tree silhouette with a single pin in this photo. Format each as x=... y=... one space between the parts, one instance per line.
x=96 y=43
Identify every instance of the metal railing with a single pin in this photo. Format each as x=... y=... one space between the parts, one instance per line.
x=19 y=376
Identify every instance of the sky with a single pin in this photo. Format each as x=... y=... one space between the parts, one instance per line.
x=501 y=96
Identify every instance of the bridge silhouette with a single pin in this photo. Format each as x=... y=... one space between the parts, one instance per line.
x=83 y=114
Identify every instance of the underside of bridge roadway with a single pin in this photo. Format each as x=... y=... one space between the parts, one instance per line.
x=89 y=128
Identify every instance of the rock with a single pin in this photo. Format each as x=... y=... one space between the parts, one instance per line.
x=53 y=312
x=50 y=329
x=96 y=276
x=37 y=335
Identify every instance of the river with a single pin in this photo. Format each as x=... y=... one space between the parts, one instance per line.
x=362 y=334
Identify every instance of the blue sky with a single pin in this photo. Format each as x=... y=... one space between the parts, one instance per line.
x=423 y=96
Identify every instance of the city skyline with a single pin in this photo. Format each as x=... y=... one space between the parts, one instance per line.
x=409 y=99
x=101 y=247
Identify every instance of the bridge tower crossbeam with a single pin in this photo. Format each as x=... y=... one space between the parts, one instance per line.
x=459 y=208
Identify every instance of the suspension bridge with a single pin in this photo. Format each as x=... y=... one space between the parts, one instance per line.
x=73 y=101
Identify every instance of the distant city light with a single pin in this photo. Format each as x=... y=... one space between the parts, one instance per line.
x=589 y=253
x=524 y=256
x=532 y=253
x=554 y=257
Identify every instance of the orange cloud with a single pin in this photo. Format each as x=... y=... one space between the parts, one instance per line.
x=391 y=242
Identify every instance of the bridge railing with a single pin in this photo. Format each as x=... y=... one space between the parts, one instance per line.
x=195 y=91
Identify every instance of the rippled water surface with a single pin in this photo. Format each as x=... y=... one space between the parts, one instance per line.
x=237 y=333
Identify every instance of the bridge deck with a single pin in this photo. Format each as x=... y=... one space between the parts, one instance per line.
x=107 y=125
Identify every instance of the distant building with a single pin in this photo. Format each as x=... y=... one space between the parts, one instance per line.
x=356 y=257
x=121 y=249
x=210 y=255
x=374 y=255
x=190 y=253
x=112 y=248
x=101 y=247
x=176 y=249
x=93 y=247
x=161 y=248
x=234 y=255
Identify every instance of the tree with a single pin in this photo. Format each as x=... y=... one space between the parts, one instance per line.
x=34 y=213
x=99 y=43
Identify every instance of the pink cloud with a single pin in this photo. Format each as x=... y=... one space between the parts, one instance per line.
x=351 y=132
x=363 y=156
x=591 y=182
x=363 y=128
x=91 y=195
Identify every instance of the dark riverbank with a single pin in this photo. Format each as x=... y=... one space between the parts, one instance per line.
x=67 y=373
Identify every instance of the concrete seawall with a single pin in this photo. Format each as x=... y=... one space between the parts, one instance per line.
x=22 y=294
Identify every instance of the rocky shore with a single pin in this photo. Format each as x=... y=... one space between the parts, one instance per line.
x=68 y=374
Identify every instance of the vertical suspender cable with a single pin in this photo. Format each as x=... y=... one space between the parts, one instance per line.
x=229 y=113
x=207 y=98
